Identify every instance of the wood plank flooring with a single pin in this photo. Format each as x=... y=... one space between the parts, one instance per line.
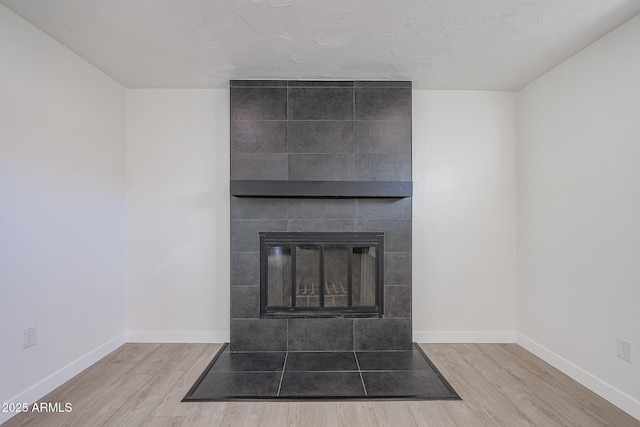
x=500 y=384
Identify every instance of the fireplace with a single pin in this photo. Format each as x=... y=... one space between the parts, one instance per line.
x=348 y=265
x=320 y=187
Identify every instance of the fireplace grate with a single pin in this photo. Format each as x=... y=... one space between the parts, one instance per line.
x=336 y=294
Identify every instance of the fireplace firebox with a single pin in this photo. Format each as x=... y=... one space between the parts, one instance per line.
x=348 y=265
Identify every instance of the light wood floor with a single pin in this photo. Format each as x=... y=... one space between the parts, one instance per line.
x=500 y=384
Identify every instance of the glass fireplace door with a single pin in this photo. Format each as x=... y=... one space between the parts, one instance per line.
x=279 y=276
x=321 y=274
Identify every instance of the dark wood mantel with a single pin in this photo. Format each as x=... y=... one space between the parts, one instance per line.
x=322 y=189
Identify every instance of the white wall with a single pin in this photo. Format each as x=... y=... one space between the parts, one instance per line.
x=177 y=215
x=579 y=215
x=62 y=136
x=464 y=216
x=178 y=211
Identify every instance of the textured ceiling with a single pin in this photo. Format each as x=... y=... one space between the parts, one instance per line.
x=438 y=44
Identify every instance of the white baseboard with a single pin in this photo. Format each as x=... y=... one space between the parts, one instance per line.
x=55 y=380
x=178 y=336
x=450 y=337
x=590 y=381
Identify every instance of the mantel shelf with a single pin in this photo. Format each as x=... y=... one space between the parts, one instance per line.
x=322 y=189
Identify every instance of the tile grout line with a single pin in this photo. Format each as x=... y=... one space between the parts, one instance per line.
x=354 y=107
x=354 y=335
x=354 y=147
x=284 y=366
x=360 y=373
x=286 y=136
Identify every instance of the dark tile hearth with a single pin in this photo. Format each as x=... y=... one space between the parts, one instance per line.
x=228 y=362
x=422 y=383
x=321 y=384
x=391 y=360
x=339 y=375
x=235 y=385
x=321 y=361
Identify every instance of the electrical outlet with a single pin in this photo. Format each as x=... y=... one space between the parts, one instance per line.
x=29 y=337
x=624 y=349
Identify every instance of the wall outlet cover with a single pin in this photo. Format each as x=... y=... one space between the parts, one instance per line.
x=29 y=337
x=624 y=349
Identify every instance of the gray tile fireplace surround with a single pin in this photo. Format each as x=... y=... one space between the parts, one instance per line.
x=320 y=131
